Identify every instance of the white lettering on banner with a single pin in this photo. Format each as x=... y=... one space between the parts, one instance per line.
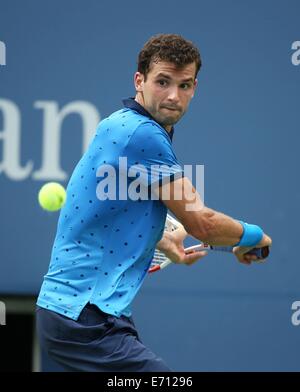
x=11 y=136
x=53 y=119
x=52 y=124
x=296 y=315
x=296 y=55
x=2 y=53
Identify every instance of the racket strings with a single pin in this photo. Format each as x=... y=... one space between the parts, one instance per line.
x=159 y=257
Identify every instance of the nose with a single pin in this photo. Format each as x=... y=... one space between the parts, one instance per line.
x=173 y=94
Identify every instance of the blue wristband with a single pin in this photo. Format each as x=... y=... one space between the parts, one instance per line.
x=252 y=235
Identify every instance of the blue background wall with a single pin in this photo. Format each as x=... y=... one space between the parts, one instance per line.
x=243 y=125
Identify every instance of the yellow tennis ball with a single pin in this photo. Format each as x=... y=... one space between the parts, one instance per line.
x=52 y=196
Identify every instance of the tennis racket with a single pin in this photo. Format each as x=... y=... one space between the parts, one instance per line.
x=161 y=261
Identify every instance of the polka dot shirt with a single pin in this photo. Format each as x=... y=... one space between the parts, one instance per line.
x=103 y=248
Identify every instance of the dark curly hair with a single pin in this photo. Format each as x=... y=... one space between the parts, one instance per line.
x=172 y=48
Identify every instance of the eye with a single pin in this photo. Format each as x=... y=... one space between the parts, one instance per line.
x=162 y=82
x=185 y=86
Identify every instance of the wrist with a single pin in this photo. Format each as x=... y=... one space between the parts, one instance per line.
x=165 y=242
x=179 y=234
x=252 y=235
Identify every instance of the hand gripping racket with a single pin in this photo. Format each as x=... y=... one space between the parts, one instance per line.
x=160 y=260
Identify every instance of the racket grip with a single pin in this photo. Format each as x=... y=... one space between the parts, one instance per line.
x=261 y=253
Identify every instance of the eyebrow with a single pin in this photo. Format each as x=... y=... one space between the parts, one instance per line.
x=162 y=75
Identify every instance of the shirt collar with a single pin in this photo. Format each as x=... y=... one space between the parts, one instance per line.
x=131 y=103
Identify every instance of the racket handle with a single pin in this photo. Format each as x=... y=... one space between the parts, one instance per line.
x=260 y=253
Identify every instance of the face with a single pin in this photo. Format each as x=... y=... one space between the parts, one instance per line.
x=167 y=91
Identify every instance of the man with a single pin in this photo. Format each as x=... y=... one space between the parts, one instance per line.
x=104 y=245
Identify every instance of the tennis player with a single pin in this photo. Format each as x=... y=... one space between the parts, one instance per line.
x=104 y=246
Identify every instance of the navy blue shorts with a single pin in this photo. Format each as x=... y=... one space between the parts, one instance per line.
x=96 y=342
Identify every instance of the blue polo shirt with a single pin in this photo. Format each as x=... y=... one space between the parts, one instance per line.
x=105 y=242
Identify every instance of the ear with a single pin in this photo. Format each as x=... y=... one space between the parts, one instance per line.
x=195 y=86
x=139 y=81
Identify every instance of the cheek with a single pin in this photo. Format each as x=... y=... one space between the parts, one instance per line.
x=156 y=97
x=186 y=99
x=156 y=93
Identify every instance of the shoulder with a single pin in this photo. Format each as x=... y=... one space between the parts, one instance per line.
x=150 y=131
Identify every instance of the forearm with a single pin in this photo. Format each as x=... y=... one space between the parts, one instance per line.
x=205 y=224
x=216 y=228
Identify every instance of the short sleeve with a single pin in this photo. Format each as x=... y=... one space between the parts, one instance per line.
x=149 y=153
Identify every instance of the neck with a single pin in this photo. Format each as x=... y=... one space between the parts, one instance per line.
x=140 y=99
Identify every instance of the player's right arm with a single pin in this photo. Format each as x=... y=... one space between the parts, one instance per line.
x=203 y=223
